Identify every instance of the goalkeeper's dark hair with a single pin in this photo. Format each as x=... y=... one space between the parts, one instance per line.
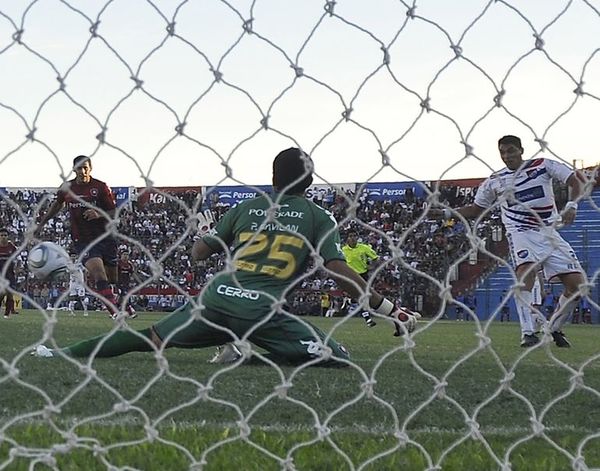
x=80 y=160
x=510 y=139
x=292 y=171
x=4 y=230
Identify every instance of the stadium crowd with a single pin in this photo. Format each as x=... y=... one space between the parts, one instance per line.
x=156 y=243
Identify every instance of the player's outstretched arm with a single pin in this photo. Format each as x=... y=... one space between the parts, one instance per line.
x=404 y=319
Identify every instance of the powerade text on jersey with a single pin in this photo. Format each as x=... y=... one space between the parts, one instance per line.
x=268 y=253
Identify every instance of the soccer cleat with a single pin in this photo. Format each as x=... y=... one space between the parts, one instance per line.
x=227 y=353
x=560 y=339
x=529 y=340
x=131 y=311
x=43 y=352
x=371 y=323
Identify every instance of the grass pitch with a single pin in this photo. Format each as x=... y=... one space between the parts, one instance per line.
x=452 y=401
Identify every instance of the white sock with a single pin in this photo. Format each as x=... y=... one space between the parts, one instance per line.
x=523 y=301
x=564 y=309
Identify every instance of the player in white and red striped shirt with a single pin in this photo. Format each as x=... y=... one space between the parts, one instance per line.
x=523 y=189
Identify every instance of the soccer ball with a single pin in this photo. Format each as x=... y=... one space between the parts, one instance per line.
x=46 y=260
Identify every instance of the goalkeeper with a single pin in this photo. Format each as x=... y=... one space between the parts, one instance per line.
x=273 y=239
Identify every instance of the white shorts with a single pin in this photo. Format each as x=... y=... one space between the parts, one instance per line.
x=77 y=292
x=546 y=248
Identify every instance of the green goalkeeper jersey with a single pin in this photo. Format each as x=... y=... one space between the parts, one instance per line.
x=267 y=256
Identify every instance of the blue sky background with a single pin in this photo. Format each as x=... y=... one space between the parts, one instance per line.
x=342 y=61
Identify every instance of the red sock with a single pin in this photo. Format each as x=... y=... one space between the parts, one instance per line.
x=111 y=298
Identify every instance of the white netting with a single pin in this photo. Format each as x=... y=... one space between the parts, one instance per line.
x=204 y=94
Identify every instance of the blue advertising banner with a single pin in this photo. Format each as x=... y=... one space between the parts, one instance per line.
x=393 y=191
x=121 y=194
x=232 y=195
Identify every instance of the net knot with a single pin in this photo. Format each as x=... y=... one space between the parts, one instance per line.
x=579 y=89
x=386 y=55
x=244 y=347
x=484 y=340
x=264 y=122
x=346 y=113
x=30 y=136
x=180 y=128
x=48 y=459
x=217 y=74
x=409 y=344
x=367 y=387
x=585 y=289
x=98 y=450
x=425 y=104
x=151 y=432
x=474 y=432
x=577 y=379
x=61 y=83
x=94 y=29
x=578 y=464
x=248 y=26
x=498 y=98
x=204 y=391
x=138 y=82
x=49 y=410
x=244 y=428
x=228 y=171
x=323 y=432
x=505 y=382
x=330 y=6
x=171 y=28
x=288 y=464
x=161 y=361
x=457 y=50
x=539 y=42
x=402 y=437
x=446 y=294
x=468 y=148
x=385 y=159
x=282 y=389
x=87 y=370
x=102 y=135
x=411 y=12
x=537 y=426
x=440 y=389
x=61 y=448
x=18 y=35
x=543 y=144
x=299 y=71
x=121 y=406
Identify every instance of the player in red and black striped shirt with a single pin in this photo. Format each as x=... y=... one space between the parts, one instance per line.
x=91 y=206
x=7 y=270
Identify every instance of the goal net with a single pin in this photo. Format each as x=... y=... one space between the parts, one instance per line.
x=182 y=107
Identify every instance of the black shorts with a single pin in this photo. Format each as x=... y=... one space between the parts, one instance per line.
x=106 y=249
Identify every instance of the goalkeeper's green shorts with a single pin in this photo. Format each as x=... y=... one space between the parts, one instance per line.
x=285 y=337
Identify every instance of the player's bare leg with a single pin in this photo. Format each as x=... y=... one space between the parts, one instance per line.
x=112 y=274
x=523 y=301
x=564 y=309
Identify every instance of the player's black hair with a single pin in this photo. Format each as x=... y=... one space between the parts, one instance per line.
x=3 y=230
x=510 y=139
x=289 y=167
x=80 y=160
